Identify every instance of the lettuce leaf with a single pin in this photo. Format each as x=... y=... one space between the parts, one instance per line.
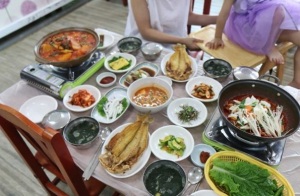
x=100 y=106
x=242 y=178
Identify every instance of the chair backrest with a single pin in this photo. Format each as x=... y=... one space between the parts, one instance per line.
x=49 y=144
x=206 y=10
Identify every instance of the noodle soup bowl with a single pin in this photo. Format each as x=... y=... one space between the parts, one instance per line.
x=143 y=86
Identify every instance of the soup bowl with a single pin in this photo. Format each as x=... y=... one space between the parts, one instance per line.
x=164 y=176
x=146 y=84
x=82 y=132
x=130 y=45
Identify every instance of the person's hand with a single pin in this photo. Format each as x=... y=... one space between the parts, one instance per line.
x=215 y=43
x=191 y=43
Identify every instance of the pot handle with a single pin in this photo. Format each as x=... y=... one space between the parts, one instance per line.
x=245 y=141
x=277 y=80
x=235 y=135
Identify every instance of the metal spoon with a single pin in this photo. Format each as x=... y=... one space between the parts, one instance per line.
x=95 y=161
x=194 y=176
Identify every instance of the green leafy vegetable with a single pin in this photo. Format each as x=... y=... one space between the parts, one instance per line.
x=187 y=113
x=100 y=106
x=105 y=110
x=124 y=105
x=243 y=179
x=242 y=104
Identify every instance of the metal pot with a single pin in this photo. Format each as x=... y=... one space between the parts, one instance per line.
x=75 y=124
x=70 y=63
x=263 y=89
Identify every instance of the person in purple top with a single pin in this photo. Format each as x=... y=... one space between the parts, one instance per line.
x=257 y=25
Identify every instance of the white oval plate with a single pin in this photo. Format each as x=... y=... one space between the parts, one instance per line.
x=195 y=156
x=114 y=93
x=174 y=108
x=177 y=131
x=108 y=39
x=204 y=193
x=148 y=65
x=143 y=159
x=37 y=107
x=217 y=87
x=165 y=60
x=125 y=56
x=90 y=89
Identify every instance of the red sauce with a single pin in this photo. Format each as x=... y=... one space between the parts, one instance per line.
x=106 y=80
x=204 y=156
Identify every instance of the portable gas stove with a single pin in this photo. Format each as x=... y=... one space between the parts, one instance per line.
x=57 y=81
x=218 y=135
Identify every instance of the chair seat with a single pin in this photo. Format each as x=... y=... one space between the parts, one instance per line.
x=238 y=56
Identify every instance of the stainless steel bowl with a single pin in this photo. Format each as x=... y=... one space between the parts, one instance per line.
x=82 y=132
x=243 y=73
x=70 y=63
x=152 y=176
x=151 y=51
x=218 y=69
x=56 y=119
x=129 y=45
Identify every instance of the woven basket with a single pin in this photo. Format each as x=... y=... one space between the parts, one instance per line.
x=236 y=156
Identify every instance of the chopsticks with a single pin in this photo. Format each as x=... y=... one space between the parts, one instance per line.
x=197 y=186
x=93 y=164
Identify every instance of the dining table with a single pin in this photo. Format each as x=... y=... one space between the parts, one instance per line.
x=21 y=91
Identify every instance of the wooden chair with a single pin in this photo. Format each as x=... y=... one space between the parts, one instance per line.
x=237 y=56
x=51 y=154
x=206 y=10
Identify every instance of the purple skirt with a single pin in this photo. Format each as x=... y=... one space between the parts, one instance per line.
x=254 y=27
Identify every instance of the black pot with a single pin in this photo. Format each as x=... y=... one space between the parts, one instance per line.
x=262 y=89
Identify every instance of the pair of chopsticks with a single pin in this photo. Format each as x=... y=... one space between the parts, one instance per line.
x=93 y=164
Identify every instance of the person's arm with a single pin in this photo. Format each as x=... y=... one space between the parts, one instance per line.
x=142 y=19
x=222 y=18
x=198 y=19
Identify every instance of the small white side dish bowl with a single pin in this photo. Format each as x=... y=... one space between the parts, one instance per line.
x=37 y=107
x=108 y=38
x=103 y=75
x=150 y=68
x=90 y=89
x=216 y=87
x=149 y=82
x=175 y=106
x=177 y=131
x=164 y=61
x=125 y=56
x=195 y=156
x=167 y=79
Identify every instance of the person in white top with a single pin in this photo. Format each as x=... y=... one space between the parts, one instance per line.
x=164 y=21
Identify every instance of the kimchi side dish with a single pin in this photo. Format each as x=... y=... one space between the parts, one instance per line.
x=67 y=46
x=256 y=115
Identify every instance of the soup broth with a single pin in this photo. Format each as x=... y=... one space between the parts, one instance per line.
x=150 y=97
x=67 y=46
x=164 y=181
x=83 y=132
